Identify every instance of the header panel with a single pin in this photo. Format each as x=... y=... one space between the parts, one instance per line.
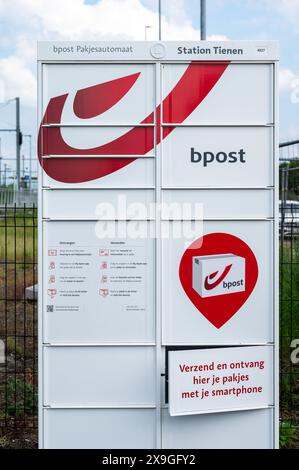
x=153 y=51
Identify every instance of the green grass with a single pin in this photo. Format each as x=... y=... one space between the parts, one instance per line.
x=289 y=290
x=18 y=243
x=288 y=436
x=21 y=398
x=289 y=327
x=18 y=235
x=18 y=252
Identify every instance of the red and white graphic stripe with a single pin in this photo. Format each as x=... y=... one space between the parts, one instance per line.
x=192 y=88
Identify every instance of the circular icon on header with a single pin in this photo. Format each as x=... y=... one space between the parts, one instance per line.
x=158 y=50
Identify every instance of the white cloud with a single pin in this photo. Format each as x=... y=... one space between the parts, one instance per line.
x=289 y=9
x=75 y=20
x=217 y=37
x=288 y=81
x=17 y=80
x=107 y=19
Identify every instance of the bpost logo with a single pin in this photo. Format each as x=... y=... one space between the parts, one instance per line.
x=206 y=158
x=218 y=274
x=186 y=95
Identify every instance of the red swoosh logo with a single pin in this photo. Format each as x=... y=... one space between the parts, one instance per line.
x=194 y=85
x=210 y=286
x=95 y=100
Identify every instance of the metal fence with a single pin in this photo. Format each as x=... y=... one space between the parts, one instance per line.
x=289 y=151
x=18 y=321
x=289 y=313
x=12 y=197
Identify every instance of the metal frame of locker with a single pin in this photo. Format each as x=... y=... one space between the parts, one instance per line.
x=45 y=58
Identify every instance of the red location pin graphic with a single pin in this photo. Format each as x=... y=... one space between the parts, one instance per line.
x=218 y=273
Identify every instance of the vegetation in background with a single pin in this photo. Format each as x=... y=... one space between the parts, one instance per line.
x=289 y=326
x=18 y=235
x=21 y=398
x=293 y=180
x=18 y=246
x=288 y=436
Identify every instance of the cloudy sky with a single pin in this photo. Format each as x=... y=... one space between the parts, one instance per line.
x=23 y=22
